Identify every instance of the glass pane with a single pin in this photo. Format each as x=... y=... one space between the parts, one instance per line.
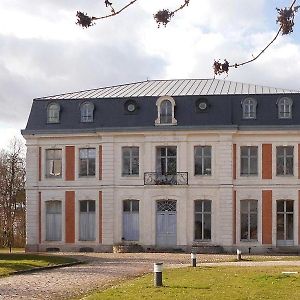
x=83 y=206
x=207 y=206
x=92 y=152
x=244 y=166
x=163 y=166
x=198 y=206
x=280 y=206
x=244 y=226
x=172 y=166
x=135 y=205
x=198 y=227
x=244 y=206
x=280 y=227
x=135 y=151
x=126 y=166
x=198 y=166
x=83 y=153
x=253 y=151
x=83 y=167
x=253 y=165
x=207 y=226
x=171 y=151
x=198 y=151
x=207 y=166
x=162 y=151
x=244 y=151
x=57 y=167
x=279 y=151
x=253 y=206
x=280 y=166
x=253 y=226
x=91 y=166
x=207 y=151
x=126 y=205
x=289 y=166
x=289 y=150
x=91 y=205
x=289 y=227
x=290 y=206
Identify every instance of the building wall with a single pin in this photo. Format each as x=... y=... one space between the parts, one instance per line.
x=225 y=187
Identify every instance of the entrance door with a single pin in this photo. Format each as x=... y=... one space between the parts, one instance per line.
x=166 y=223
x=285 y=223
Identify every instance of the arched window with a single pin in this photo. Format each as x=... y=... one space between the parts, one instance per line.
x=165 y=111
x=285 y=108
x=249 y=108
x=53 y=111
x=87 y=112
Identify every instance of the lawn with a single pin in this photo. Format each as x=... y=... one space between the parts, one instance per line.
x=10 y=263
x=210 y=283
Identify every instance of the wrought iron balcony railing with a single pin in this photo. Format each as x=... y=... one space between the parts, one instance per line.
x=154 y=178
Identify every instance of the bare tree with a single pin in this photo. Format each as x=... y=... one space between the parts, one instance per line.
x=12 y=195
x=285 y=19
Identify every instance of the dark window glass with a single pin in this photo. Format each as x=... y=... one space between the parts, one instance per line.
x=87 y=161
x=248 y=210
x=202 y=225
x=202 y=156
x=249 y=160
x=285 y=160
x=130 y=161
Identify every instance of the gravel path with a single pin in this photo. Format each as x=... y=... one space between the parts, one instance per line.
x=100 y=270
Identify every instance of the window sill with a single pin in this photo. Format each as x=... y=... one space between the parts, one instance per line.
x=291 y=176
x=249 y=175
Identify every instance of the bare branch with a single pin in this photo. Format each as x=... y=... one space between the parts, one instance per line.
x=86 y=21
x=286 y=20
x=164 y=16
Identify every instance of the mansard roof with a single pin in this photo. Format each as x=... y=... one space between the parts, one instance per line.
x=223 y=98
x=178 y=87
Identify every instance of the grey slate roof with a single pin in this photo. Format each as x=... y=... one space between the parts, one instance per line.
x=178 y=87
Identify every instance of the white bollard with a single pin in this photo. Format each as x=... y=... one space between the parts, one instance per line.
x=158 y=274
x=238 y=254
x=193 y=259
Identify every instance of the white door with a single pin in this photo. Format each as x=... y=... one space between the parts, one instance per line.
x=166 y=223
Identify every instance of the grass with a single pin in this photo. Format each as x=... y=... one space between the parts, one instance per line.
x=10 y=263
x=210 y=283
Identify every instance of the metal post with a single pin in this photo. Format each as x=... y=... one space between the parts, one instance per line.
x=193 y=259
x=158 y=274
x=238 y=254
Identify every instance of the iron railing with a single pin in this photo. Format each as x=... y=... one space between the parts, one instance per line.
x=155 y=178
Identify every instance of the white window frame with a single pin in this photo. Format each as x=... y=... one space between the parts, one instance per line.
x=87 y=112
x=202 y=157
x=159 y=102
x=248 y=157
x=249 y=213
x=90 y=217
x=285 y=156
x=87 y=159
x=131 y=159
x=285 y=108
x=53 y=113
x=203 y=213
x=57 y=216
x=52 y=161
x=249 y=108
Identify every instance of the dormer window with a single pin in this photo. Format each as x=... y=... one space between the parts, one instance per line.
x=165 y=111
x=249 y=108
x=53 y=111
x=87 y=112
x=285 y=108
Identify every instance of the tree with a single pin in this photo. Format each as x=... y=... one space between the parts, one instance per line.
x=12 y=195
x=285 y=19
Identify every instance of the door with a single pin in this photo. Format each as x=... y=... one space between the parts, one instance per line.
x=131 y=220
x=166 y=223
x=285 y=223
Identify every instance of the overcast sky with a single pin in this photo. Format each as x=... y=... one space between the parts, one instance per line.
x=43 y=52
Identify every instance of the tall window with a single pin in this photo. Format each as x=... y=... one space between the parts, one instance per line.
x=131 y=220
x=87 y=220
x=202 y=220
x=87 y=159
x=249 y=220
x=285 y=160
x=285 y=108
x=53 y=163
x=130 y=161
x=53 y=221
x=249 y=161
x=87 y=112
x=166 y=160
x=53 y=111
x=202 y=156
x=285 y=220
x=165 y=111
x=249 y=108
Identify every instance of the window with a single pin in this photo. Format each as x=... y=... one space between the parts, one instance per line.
x=53 y=111
x=166 y=160
x=165 y=111
x=202 y=156
x=285 y=221
x=249 y=220
x=87 y=112
x=87 y=158
x=249 y=161
x=202 y=220
x=285 y=160
x=53 y=221
x=87 y=220
x=285 y=108
x=249 y=108
x=53 y=163
x=130 y=161
x=131 y=220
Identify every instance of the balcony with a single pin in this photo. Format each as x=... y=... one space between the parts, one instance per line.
x=154 y=178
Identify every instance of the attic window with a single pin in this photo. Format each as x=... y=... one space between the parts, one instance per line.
x=87 y=112
x=130 y=106
x=249 y=108
x=165 y=111
x=53 y=113
x=285 y=108
x=201 y=105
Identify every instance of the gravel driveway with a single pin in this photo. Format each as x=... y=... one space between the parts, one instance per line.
x=100 y=270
